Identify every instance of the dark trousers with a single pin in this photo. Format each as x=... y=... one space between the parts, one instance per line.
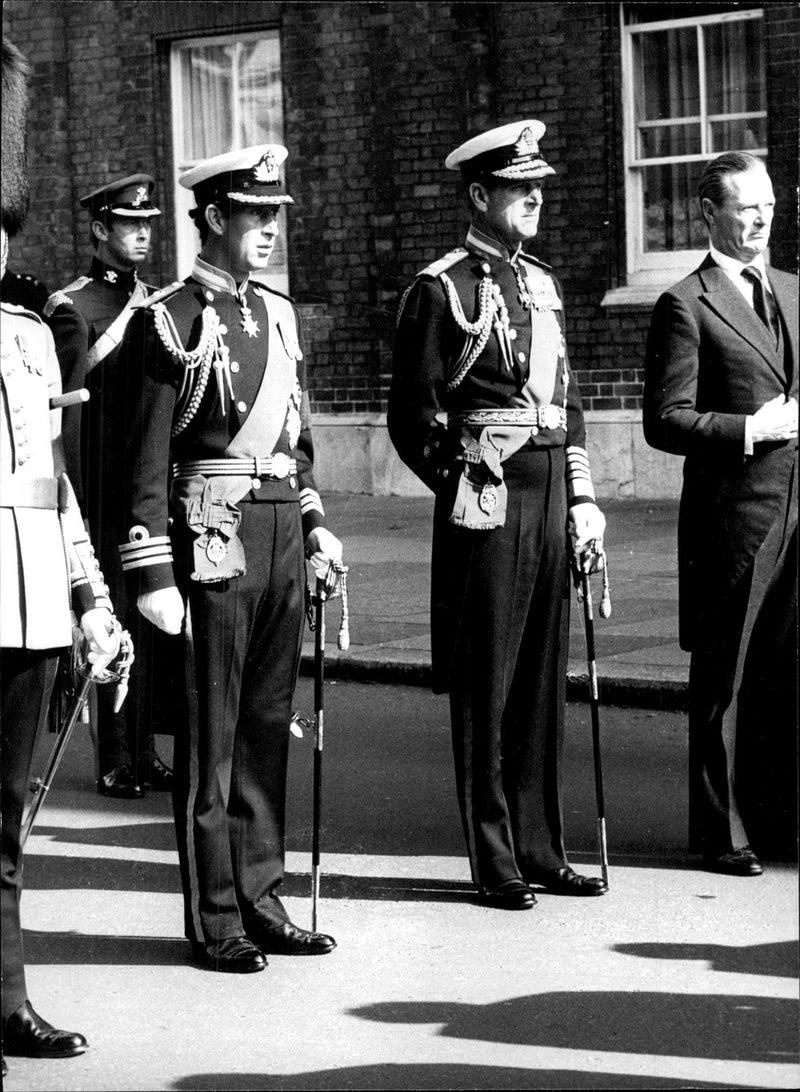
x=26 y=682
x=152 y=705
x=508 y=680
x=715 y=823
x=243 y=650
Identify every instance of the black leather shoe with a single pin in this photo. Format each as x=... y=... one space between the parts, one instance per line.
x=27 y=1035
x=120 y=784
x=510 y=895
x=233 y=955
x=742 y=862
x=565 y=881
x=288 y=939
x=157 y=776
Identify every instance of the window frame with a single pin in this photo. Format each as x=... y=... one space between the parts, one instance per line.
x=186 y=237
x=656 y=270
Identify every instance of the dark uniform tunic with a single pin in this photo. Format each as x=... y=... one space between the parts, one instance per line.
x=88 y=319
x=47 y=569
x=234 y=544
x=500 y=580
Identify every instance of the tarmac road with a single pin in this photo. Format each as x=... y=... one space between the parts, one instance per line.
x=676 y=979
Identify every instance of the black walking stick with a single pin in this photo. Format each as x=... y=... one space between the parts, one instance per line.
x=583 y=566
x=40 y=786
x=333 y=583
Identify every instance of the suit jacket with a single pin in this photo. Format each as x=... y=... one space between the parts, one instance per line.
x=711 y=362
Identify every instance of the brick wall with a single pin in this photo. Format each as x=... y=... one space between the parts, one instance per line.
x=375 y=96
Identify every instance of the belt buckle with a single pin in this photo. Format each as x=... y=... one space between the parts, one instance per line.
x=280 y=465
x=551 y=417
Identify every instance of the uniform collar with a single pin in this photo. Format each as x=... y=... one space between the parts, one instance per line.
x=118 y=278
x=217 y=279
x=486 y=246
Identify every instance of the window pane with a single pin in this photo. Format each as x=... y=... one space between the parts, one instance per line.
x=666 y=83
x=669 y=140
x=738 y=135
x=207 y=101
x=231 y=97
x=671 y=214
x=734 y=67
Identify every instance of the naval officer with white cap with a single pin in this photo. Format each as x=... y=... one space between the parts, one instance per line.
x=480 y=341
x=218 y=383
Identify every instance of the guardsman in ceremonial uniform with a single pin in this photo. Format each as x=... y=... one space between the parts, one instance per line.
x=481 y=339
x=218 y=385
x=48 y=568
x=89 y=319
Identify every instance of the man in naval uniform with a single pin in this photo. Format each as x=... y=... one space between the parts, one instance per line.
x=48 y=568
x=218 y=388
x=481 y=339
x=89 y=318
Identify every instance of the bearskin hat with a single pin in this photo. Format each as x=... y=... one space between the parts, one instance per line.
x=14 y=195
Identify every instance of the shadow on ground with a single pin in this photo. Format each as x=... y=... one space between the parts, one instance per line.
x=778 y=958
x=385 y=1077
x=735 y=1027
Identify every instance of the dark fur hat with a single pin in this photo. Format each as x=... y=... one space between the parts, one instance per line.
x=14 y=195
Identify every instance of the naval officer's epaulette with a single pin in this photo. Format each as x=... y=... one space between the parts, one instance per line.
x=536 y=261
x=161 y=294
x=441 y=265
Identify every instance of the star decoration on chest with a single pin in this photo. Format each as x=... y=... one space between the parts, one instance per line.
x=249 y=324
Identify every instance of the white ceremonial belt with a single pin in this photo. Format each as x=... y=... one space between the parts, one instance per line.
x=259 y=466
x=535 y=416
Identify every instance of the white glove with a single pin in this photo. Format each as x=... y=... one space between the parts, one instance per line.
x=587 y=525
x=164 y=608
x=775 y=420
x=322 y=548
x=102 y=635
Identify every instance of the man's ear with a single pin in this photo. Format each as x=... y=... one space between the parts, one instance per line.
x=215 y=218
x=479 y=195
x=99 y=230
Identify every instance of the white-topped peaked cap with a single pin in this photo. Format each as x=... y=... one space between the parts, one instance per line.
x=509 y=151
x=249 y=177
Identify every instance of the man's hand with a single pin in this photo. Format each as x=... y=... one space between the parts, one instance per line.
x=164 y=608
x=322 y=548
x=102 y=636
x=587 y=525
x=776 y=420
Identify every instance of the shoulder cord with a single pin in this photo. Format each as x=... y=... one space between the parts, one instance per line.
x=481 y=329
x=192 y=390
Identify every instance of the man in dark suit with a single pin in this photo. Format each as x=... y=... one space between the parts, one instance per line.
x=721 y=389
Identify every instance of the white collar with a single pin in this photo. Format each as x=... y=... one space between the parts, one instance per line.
x=733 y=267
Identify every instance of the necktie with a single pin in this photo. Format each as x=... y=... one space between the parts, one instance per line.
x=763 y=308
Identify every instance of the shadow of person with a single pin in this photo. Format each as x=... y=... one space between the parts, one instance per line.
x=777 y=958
x=737 y=1027
x=81 y=949
x=386 y=1077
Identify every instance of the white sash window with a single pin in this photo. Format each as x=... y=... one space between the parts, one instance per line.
x=226 y=94
x=692 y=88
